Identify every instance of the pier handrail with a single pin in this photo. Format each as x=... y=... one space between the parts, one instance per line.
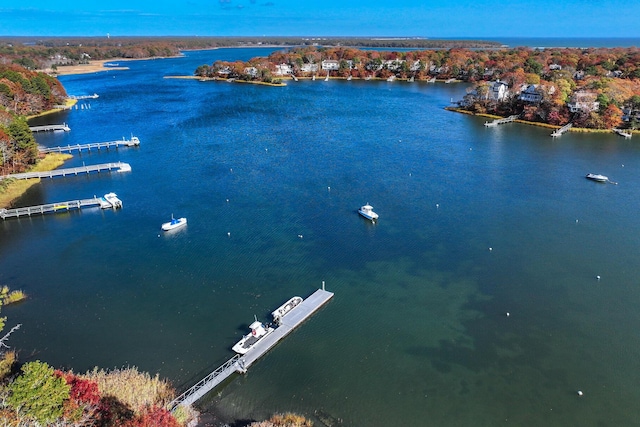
x=202 y=383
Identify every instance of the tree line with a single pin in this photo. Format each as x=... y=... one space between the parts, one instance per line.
x=612 y=75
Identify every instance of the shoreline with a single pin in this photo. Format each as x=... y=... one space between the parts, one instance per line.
x=98 y=65
x=538 y=124
x=16 y=188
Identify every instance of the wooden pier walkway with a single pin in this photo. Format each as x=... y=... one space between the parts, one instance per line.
x=134 y=141
x=54 y=208
x=94 y=96
x=240 y=363
x=49 y=128
x=563 y=129
x=497 y=122
x=119 y=166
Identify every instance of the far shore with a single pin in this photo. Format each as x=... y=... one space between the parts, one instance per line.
x=96 y=66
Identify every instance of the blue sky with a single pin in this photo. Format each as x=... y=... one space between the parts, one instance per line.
x=429 y=18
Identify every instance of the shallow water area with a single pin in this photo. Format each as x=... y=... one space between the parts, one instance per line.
x=475 y=222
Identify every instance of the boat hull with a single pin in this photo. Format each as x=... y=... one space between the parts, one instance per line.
x=172 y=225
x=596 y=177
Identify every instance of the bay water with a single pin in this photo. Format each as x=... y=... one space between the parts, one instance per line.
x=475 y=223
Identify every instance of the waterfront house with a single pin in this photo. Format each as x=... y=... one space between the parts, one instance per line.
x=309 y=68
x=330 y=65
x=283 y=69
x=584 y=101
x=498 y=91
x=629 y=113
x=251 y=71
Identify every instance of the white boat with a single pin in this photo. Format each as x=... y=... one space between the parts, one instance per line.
x=174 y=223
x=258 y=331
x=350 y=77
x=367 y=212
x=597 y=177
x=285 y=308
x=391 y=78
x=110 y=200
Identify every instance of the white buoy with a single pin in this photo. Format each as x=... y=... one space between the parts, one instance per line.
x=576 y=221
x=508 y=314
x=229 y=234
x=227 y=200
x=597 y=277
x=580 y=393
x=437 y=205
x=300 y=236
x=328 y=188
x=490 y=249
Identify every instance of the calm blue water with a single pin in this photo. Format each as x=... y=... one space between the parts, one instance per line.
x=417 y=333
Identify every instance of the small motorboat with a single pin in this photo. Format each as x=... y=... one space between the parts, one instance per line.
x=367 y=212
x=174 y=223
x=110 y=200
x=258 y=331
x=597 y=177
x=285 y=308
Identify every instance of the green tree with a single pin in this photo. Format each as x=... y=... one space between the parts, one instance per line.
x=23 y=139
x=38 y=393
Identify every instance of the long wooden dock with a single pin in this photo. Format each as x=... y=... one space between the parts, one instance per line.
x=134 y=141
x=55 y=207
x=240 y=363
x=118 y=166
x=497 y=122
x=563 y=129
x=49 y=128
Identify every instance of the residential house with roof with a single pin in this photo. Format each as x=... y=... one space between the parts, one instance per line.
x=534 y=93
x=283 y=69
x=330 y=65
x=498 y=91
x=309 y=68
x=584 y=101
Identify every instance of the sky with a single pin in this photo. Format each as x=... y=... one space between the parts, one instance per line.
x=390 y=18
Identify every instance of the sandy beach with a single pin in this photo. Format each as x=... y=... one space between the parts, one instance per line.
x=91 y=67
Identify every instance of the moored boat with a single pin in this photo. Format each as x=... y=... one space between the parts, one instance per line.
x=110 y=200
x=285 y=308
x=597 y=177
x=174 y=223
x=258 y=331
x=367 y=212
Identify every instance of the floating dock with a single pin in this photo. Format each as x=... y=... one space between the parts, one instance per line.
x=563 y=129
x=59 y=207
x=622 y=133
x=134 y=141
x=497 y=122
x=50 y=128
x=118 y=166
x=240 y=363
x=94 y=96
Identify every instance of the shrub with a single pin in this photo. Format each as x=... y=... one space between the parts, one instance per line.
x=134 y=389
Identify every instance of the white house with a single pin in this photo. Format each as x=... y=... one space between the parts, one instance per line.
x=309 y=68
x=283 y=69
x=330 y=64
x=498 y=91
x=251 y=71
x=583 y=100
